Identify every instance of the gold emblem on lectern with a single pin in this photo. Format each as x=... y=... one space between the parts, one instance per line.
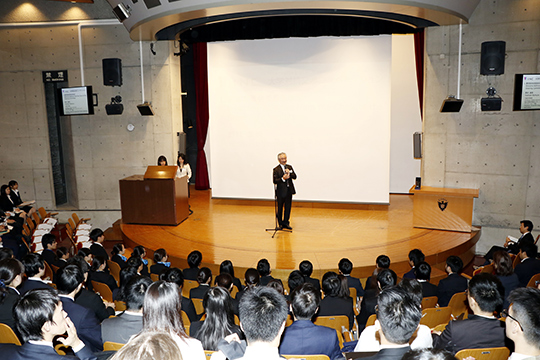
x=442 y=204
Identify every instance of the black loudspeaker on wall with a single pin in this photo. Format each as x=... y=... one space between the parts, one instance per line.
x=112 y=72
x=492 y=58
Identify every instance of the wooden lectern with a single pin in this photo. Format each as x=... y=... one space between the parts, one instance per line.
x=157 y=198
x=443 y=208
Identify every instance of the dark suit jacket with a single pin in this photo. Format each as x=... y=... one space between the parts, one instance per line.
x=16 y=198
x=513 y=248
x=199 y=292
x=389 y=354
x=49 y=256
x=409 y=274
x=281 y=186
x=6 y=308
x=158 y=269
x=265 y=280
x=314 y=282
x=117 y=259
x=510 y=283
x=333 y=305
x=103 y=277
x=92 y=301
x=305 y=338
x=367 y=308
x=189 y=309
x=32 y=352
x=355 y=283
x=526 y=270
x=428 y=289
x=191 y=273
x=452 y=284
x=98 y=250
x=86 y=323
x=475 y=332
x=30 y=284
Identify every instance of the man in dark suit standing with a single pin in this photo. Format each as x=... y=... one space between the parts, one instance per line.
x=529 y=265
x=283 y=180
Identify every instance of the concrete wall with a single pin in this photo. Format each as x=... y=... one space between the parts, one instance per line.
x=497 y=152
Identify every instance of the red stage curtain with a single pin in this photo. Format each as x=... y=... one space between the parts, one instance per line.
x=419 y=56
x=200 y=66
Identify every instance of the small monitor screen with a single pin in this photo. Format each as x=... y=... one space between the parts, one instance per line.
x=76 y=101
x=527 y=92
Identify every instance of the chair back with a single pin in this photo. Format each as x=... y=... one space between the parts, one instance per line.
x=42 y=213
x=114 y=270
x=103 y=290
x=335 y=322
x=188 y=285
x=352 y=292
x=371 y=320
x=36 y=218
x=154 y=277
x=306 y=357
x=7 y=335
x=199 y=308
x=517 y=260
x=76 y=218
x=54 y=268
x=289 y=320
x=208 y=354
x=112 y=346
x=72 y=224
x=185 y=318
x=429 y=302
x=498 y=353
x=484 y=269
x=435 y=316
x=534 y=279
x=234 y=291
x=458 y=304
x=48 y=271
x=120 y=305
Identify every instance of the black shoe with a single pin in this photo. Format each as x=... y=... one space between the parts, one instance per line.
x=287 y=227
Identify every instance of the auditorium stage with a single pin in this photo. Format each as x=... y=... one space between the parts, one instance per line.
x=323 y=233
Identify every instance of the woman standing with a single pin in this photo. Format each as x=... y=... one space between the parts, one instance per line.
x=183 y=167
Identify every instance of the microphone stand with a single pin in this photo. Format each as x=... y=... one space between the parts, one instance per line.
x=277 y=227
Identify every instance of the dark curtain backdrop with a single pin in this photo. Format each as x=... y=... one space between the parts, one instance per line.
x=200 y=63
x=419 y=56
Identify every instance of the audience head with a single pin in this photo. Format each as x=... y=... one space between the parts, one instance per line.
x=125 y=275
x=383 y=262
x=150 y=345
x=295 y=279
x=413 y=288
x=454 y=263
x=306 y=268
x=80 y=263
x=62 y=253
x=162 y=161
x=35 y=309
x=194 y=259
x=5 y=253
x=219 y=320
x=204 y=276
x=11 y=274
x=139 y=251
x=527 y=224
x=161 y=309
x=263 y=267
x=263 y=312
x=96 y=235
x=398 y=315
x=225 y=281
x=173 y=275
x=160 y=255
x=503 y=264
x=428 y=354
x=345 y=266
x=86 y=255
x=386 y=278
x=98 y=263
x=4 y=190
x=134 y=292
x=118 y=249
x=226 y=267
x=135 y=262
x=69 y=279
x=525 y=309
x=344 y=291
x=487 y=291
x=217 y=302
x=331 y=285
x=276 y=284
x=252 y=277
x=416 y=256
x=422 y=271
x=528 y=250
x=33 y=264
x=48 y=241
x=13 y=184
x=305 y=301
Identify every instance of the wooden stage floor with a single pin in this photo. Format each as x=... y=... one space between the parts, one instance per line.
x=323 y=233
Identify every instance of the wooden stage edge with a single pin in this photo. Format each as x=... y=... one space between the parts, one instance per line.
x=323 y=233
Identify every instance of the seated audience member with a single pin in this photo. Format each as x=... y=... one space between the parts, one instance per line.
x=11 y=275
x=226 y=267
x=153 y=345
x=40 y=319
x=428 y=354
x=204 y=279
x=125 y=275
x=10 y=240
x=69 y=281
x=48 y=241
x=86 y=254
x=160 y=262
x=6 y=204
x=161 y=312
x=225 y=281
x=62 y=254
x=121 y=328
x=15 y=196
x=368 y=341
x=303 y=337
x=504 y=270
x=277 y=285
x=306 y=269
x=98 y=273
x=89 y=299
x=529 y=265
x=219 y=321
x=398 y=317
x=140 y=252
x=251 y=280
x=6 y=253
x=174 y=275
x=295 y=280
x=345 y=268
x=513 y=247
x=416 y=256
x=194 y=260
x=385 y=279
x=98 y=237
x=117 y=255
x=382 y=262
x=523 y=323
x=482 y=329
x=136 y=263
x=263 y=267
x=34 y=268
x=333 y=304
x=422 y=272
x=453 y=283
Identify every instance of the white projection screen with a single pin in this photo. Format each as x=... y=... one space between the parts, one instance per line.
x=324 y=101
